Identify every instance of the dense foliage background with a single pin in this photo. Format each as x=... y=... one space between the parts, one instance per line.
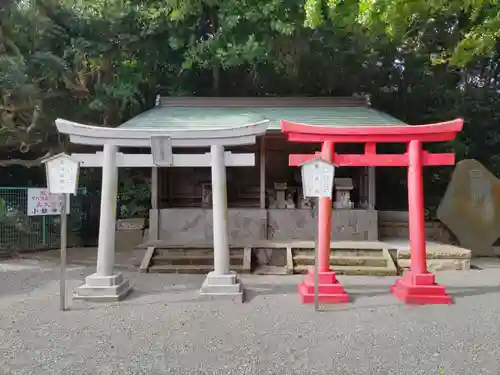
x=102 y=61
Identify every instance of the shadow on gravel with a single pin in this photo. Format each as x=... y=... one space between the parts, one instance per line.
x=256 y=290
x=458 y=292
x=360 y=292
x=190 y=296
x=24 y=280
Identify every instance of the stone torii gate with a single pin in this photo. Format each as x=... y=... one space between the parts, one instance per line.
x=104 y=284
x=418 y=285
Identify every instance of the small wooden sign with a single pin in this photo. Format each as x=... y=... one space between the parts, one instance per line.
x=317 y=178
x=161 y=149
x=62 y=174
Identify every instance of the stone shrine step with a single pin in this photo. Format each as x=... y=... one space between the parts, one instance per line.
x=188 y=269
x=339 y=260
x=371 y=262
x=348 y=258
x=189 y=260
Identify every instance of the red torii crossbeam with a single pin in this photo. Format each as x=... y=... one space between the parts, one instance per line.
x=418 y=285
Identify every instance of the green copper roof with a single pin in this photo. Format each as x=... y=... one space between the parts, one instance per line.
x=184 y=118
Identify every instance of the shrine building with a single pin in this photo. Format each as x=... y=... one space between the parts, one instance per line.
x=265 y=202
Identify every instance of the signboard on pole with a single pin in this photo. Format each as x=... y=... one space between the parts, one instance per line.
x=317 y=182
x=62 y=180
x=317 y=178
x=62 y=174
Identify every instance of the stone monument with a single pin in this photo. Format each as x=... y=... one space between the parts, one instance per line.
x=471 y=206
x=206 y=195
x=280 y=191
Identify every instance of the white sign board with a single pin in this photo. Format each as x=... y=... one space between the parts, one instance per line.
x=62 y=174
x=161 y=150
x=317 y=178
x=41 y=202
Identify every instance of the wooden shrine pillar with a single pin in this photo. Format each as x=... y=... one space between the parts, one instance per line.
x=372 y=186
x=154 y=213
x=262 y=172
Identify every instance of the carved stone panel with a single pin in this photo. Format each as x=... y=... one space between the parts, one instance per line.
x=355 y=225
x=289 y=225
x=347 y=225
x=247 y=226
x=189 y=226
x=471 y=205
x=183 y=226
x=206 y=195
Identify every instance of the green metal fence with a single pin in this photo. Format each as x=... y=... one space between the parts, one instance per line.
x=18 y=231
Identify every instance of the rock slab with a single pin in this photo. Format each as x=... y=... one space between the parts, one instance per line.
x=471 y=205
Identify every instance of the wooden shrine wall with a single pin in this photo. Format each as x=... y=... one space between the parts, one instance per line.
x=190 y=187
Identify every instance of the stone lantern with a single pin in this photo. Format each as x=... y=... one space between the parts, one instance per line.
x=343 y=188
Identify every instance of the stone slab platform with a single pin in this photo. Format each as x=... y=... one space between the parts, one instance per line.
x=274 y=244
x=440 y=257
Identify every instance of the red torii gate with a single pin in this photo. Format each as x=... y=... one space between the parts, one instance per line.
x=418 y=285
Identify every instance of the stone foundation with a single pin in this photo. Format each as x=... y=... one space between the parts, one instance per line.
x=193 y=226
x=103 y=288
x=394 y=224
x=347 y=225
x=129 y=233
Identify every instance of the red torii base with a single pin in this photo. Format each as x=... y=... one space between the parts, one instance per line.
x=417 y=286
x=329 y=289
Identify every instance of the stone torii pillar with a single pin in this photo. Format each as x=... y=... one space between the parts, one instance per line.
x=221 y=281
x=107 y=232
x=219 y=200
x=104 y=284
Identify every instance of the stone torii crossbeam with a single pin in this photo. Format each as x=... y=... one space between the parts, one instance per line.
x=104 y=284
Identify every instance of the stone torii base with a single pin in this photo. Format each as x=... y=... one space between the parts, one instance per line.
x=103 y=288
x=227 y=286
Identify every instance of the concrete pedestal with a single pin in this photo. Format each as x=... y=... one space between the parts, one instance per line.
x=103 y=288
x=420 y=289
x=329 y=289
x=222 y=286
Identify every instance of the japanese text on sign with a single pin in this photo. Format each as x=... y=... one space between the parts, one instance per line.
x=317 y=179
x=62 y=175
x=41 y=202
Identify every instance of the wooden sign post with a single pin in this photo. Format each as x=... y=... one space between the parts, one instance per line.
x=62 y=178
x=317 y=182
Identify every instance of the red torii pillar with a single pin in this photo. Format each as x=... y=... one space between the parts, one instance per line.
x=418 y=285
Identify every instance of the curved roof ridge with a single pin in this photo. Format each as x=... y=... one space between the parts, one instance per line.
x=264 y=101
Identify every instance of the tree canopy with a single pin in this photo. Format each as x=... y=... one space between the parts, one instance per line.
x=474 y=24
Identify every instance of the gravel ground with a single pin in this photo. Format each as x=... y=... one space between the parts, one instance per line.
x=163 y=329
